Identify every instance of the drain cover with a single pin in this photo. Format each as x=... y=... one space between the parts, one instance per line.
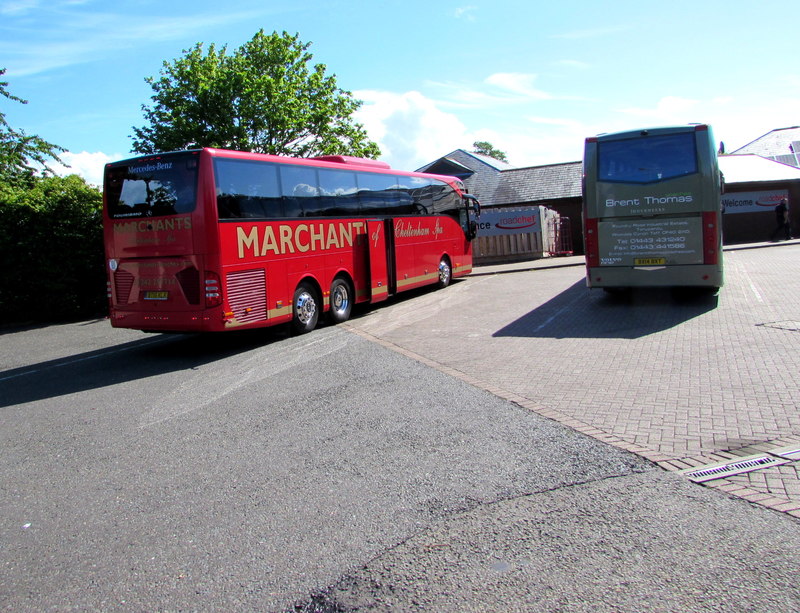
x=743 y=465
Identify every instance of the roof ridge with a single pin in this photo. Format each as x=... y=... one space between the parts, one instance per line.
x=764 y=137
x=544 y=165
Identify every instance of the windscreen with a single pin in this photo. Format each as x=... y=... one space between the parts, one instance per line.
x=648 y=159
x=152 y=187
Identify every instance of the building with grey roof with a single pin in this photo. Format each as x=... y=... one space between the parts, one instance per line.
x=758 y=172
x=497 y=184
x=763 y=182
x=781 y=145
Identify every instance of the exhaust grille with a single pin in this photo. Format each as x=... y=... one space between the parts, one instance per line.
x=123 y=282
x=247 y=295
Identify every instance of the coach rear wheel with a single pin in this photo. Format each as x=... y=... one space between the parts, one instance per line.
x=341 y=301
x=445 y=273
x=305 y=309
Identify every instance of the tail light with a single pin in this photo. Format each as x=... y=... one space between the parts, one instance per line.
x=711 y=242
x=213 y=289
x=591 y=242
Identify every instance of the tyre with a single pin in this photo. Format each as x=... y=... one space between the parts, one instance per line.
x=445 y=273
x=305 y=309
x=341 y=301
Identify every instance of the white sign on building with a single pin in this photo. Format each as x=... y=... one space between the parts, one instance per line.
x=753 y=202
x=516 y=221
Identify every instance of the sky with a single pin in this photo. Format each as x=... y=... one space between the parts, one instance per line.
x=532 y=78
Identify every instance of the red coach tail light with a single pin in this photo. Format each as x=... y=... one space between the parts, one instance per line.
x=213 y=289
x=591 y=243
x=710 y=238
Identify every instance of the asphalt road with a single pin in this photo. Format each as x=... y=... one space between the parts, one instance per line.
x=243 y=472
x=328 y=473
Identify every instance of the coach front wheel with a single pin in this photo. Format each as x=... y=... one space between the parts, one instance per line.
x=305 y=309
x=445 y=273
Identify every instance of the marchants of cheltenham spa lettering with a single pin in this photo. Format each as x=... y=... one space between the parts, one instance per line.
x=151 y=225
x=301 y=238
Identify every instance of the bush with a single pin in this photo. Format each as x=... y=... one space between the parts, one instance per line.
x=51 y=251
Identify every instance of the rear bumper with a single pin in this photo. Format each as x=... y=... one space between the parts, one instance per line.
x=167 y=321
x=698 y=275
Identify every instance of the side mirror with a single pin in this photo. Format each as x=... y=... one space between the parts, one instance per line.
x=472 y=203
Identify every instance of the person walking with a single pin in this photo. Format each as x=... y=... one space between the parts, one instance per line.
x=782 y=220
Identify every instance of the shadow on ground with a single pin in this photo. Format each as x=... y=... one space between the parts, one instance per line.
x=582 y=313
x=151 y=356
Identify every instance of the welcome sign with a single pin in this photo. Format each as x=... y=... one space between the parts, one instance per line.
x=753 y=202
x=517 y=221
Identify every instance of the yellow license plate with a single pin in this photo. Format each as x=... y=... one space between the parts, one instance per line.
x=156 y=295
x=649 y=261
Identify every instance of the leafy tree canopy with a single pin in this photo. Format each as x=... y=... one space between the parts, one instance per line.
x=20 y=154
x=485 y=148
x=265 y=97
x=51 y=246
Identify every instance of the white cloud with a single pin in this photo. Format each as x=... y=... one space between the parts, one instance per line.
x=84 y=37
x=739 y=122
x=498 y=89
x=18 y=7
x=410 y=129
x=85 y=164
x=574 y=64
x=21 y=7
x=466 y=12
x=413 y=129
x=592 y=33
x=518 y=83
x=735 y=120
x=670 y=109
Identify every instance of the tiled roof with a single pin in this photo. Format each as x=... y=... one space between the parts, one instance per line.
x=536 y=183
x=496 y=183
x=775 y=144
x=486 y=171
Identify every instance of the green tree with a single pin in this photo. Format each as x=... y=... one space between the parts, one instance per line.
x=20 y=153
x=265 y=97
x=51 y=239
x=51 y=246
x=485 y=148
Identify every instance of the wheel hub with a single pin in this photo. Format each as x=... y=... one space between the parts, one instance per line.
x=306 y=307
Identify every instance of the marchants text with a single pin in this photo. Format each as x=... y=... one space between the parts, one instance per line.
x=300 y=238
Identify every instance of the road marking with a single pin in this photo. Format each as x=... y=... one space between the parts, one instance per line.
x=207 y=384
x=569 y=305
x=752 y=285
x=754 y=288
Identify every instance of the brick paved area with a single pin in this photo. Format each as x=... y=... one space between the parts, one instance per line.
x=685 y=382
